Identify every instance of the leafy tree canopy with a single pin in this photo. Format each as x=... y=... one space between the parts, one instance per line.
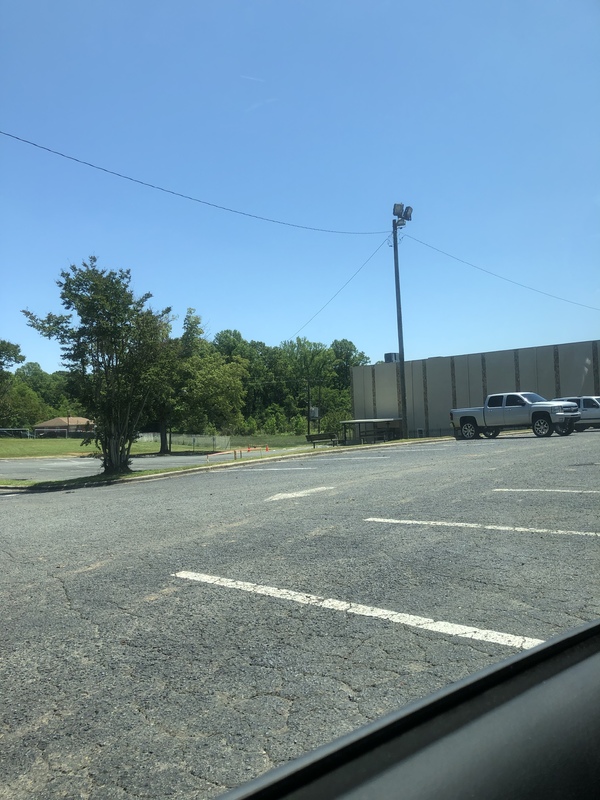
x=346 y=356
x=125 y=371
x=10 y=354
x=110 y=342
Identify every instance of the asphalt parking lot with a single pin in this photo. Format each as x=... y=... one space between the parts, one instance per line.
x=177 y=637
x=66 y=468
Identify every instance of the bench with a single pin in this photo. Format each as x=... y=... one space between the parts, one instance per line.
x=321 y=437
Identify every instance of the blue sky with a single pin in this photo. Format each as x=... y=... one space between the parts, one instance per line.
x=483 y=116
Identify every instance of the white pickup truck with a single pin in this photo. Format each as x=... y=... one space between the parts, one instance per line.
x=515 y=410
x=589 y=407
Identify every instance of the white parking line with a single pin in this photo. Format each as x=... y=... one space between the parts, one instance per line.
x=421 y=449
x=346 y=457
x=552 y=491
x=423 y=623
x=478 y=526
x=304 y=493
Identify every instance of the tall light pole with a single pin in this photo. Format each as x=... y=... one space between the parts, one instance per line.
x=401 y=217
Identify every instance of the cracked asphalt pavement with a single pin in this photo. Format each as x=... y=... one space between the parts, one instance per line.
x=65 y=468
x=121 y=680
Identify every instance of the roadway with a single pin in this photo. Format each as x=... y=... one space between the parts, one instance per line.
x=179 y=636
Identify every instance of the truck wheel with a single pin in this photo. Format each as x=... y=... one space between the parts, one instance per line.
x=491 y=433
x=564 y=428
x=542 y=426
x=469 y=429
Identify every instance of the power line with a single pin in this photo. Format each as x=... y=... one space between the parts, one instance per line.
x=341 y=287
x=501 y=277
x=455 y=258
x=293 y=225
x=187 y=196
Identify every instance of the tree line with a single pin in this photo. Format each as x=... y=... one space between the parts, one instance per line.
x=124 y=369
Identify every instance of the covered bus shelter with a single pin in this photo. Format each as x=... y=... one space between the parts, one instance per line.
x=370 y=431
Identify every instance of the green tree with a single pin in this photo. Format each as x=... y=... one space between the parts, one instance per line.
x=162 y=410
x=335 y=406
x=34 y=376
x=10 y=354
x=110 y=344
x=22 y=407
x=212 y=391
x=177 y=402
x=230 y=343
x=262 y=386
x=52 y=388
x=192 y=339
x=346 y=356
x=310 y=366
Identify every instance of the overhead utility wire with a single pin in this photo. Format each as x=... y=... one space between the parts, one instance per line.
x=187 y=196
x=316 y=314
x=449 y=255
x=290 y=225
x=501 y=277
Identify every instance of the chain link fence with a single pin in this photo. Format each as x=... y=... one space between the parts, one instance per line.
x=203 y=444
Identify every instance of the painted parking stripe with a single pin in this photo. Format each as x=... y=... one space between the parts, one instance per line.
x=304 y=493
x=425 y=450
x=478 y=526
x=408 y=620
x=552 y=491
x=346 y=457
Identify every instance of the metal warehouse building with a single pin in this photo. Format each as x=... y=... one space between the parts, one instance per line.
x=435 y=385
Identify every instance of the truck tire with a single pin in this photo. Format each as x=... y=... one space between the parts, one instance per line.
x=564 y=428
x=469 y=429
x=491 y=433
x=542 y=426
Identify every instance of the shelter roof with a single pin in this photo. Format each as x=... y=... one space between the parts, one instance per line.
x=379 y=419
x=62 y=422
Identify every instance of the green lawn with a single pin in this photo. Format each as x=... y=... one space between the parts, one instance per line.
x=273 y=440
x=36 y=448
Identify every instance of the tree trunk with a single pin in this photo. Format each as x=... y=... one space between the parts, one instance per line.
x=116 y=455
x=165 y=444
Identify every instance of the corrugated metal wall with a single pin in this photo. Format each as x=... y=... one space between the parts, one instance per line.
x=435 y=385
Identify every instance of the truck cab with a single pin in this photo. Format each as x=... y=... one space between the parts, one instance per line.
x=510 y=410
